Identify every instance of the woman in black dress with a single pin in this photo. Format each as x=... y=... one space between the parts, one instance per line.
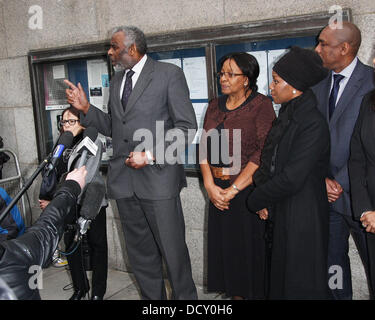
x=241 y=119
x=362 y=173
x=290 y=188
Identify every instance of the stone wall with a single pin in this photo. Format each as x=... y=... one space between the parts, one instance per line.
x=70 y=22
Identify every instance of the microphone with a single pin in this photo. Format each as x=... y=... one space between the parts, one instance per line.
x=91 y=204
x=87 y=146
x=65 y=141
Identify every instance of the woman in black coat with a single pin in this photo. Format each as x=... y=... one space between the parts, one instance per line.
x=362 y=173
x=290 y=185
x=96 y=235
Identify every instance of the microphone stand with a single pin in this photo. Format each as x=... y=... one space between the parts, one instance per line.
x=25 y=187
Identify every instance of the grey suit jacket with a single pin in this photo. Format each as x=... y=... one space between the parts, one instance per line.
x=158 y=103
x=342 y=124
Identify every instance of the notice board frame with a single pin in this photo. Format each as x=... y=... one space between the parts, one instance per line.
x=207 y=38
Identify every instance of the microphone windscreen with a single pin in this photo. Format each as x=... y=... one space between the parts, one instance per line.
x=66 y=139
x=91 y=132
x=92 y=200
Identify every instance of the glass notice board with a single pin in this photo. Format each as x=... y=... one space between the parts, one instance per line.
x=193 y=63
x=196 y=51
x=93 y=74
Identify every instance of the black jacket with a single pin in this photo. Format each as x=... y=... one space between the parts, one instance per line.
x=20 y=258
x=362 y=159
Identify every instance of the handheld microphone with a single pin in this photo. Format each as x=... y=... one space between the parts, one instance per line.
x=92 y=199
x=91 y=204
x=65 y=141
x=87 y=145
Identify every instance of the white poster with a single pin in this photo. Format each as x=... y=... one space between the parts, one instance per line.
x=262 y=81
x=200 y=111
x=98 y=83
x=176 y=62
x=273 y=57
x=196 y=77
x=58 y=71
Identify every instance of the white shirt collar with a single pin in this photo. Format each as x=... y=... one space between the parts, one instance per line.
x=347 y=72
x=139 y=65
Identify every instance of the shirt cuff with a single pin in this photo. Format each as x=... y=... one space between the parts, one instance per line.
x=150 y=160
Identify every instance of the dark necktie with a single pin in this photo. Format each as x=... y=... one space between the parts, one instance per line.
x=335 y=90
x=127 y=88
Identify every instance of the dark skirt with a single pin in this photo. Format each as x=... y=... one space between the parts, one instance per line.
x=236 y=249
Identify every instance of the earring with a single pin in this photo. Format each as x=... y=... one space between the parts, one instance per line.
x=294 y=91
x=245 y=85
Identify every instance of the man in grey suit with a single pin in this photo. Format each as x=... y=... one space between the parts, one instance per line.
x=339 y=99
x=148 y=100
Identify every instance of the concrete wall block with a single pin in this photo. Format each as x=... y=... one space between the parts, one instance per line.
x=194 y=204
x=196 y=241
x=117 y=256
x=62 y=23
x=161 y=15
x=14 y=83
x=25 y=135
x=3 y=48
x=7 y=128
x=367 y=25
x=253 y=10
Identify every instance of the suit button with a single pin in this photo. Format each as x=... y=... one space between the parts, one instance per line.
x=123 y=122
x=126 y=140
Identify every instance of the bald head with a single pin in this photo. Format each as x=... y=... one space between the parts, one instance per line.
x=338 y=46
x=348 y=33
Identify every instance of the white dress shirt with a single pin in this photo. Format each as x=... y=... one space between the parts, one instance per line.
x=347 y=73
x=137 y=71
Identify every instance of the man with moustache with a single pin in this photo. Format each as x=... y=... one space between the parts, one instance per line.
x=152 y=96
x=339 y=99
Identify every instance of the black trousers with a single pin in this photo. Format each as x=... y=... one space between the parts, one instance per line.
x=154 y=231
x=97 y=240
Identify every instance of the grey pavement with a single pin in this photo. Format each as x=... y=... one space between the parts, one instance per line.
x=56 y=285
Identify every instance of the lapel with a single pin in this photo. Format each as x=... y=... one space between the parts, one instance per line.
x=116 y=91
x=325 y=85
x=349 y=93
x=144 y=79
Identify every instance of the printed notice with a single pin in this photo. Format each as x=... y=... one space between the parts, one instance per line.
x=196 y=77
x=97 y=74
x=200 y=111
x=58 y=71
x=273 y=57
x=262 y=81
x=176 y=62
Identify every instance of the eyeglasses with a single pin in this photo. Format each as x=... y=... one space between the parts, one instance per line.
x=71 y=122
x=229 y=75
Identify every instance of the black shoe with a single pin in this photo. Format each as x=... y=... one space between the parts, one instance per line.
x=96 y=298
x=78 y=295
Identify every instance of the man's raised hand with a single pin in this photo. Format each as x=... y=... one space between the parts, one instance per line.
x=76 y=96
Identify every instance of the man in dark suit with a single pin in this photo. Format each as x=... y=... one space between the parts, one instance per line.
x=339 y=97
x=148 y=99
